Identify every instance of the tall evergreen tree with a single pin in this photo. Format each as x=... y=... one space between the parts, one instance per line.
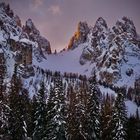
x=17 y=124
x=33 y=104
x=51 y=112
x=40 y=115
x=2 y=76
x=119 y=119
x=1 y=83
x=133 y=127
x=138 y=124
x=106 y=113
x=26 y=111
x=56 y=111
x=4 y=108
x=4 y=113
x=93 y=111
x=75 y=116
x=81 y=114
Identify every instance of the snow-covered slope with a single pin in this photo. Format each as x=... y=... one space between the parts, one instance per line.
x=113 y=53
x=66 y=61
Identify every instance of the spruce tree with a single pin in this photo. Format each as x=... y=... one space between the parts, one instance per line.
x=93 y=111
x=26 y=111
x=56 y=111
x=119 y=119
x=106 y=113
x=4 y=125
x=32 y=113
x=1 y=83
x=81 y=114
x=17 y=124
x=40 y=115
x=133 y=127
x=51 y=112
x=4 y=108
x=137 y=125
x=74 y=115
x=2 y=76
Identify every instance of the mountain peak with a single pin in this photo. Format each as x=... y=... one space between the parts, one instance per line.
x=125 y=24
x=18 y=21
x=34 y=35
x=6 y=9
x=101 y=20
x=30 y=27
x=30 y=24
x=82 y=27
x=80 y=35
x=13 y=30
x=4 y=6
x=100 y=23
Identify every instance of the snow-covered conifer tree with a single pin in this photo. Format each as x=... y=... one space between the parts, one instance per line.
x=56 y=111
x=93 y=110
x=40 y=115
x=119 y=118
x=17 y=124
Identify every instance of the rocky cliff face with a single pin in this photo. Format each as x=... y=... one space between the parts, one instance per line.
x=80 y=35
x=20 y=44
x=34 y=35
x=113 y=52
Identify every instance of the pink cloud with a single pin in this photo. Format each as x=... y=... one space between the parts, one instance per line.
x=37 y=3
x=55 y=9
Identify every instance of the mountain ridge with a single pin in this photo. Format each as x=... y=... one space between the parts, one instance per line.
x=99 y=48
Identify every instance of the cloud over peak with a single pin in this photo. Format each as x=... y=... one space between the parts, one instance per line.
x=37 y=3
x=55 y=10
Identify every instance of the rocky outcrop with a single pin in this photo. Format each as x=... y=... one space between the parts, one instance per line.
x=108 y=50
x=20 y=44
x=22 y=52
x=125 y=25
x=80 y=35
x=34 y=35
x=100 y=26
x=18 y=21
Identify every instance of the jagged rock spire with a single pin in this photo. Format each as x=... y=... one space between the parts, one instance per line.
x=29 y=23
x=83 y=28
x=30 y=27
x=6 y=8
x=100 y=24
x=125 y=24
x=34 y=35
x=80 y=35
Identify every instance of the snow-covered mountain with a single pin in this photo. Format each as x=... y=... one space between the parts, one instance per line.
x=114 y=53
x=20 y=44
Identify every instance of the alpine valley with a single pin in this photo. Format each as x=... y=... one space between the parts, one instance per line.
x=112 y=55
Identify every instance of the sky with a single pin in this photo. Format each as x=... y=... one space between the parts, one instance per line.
x=57 y=19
